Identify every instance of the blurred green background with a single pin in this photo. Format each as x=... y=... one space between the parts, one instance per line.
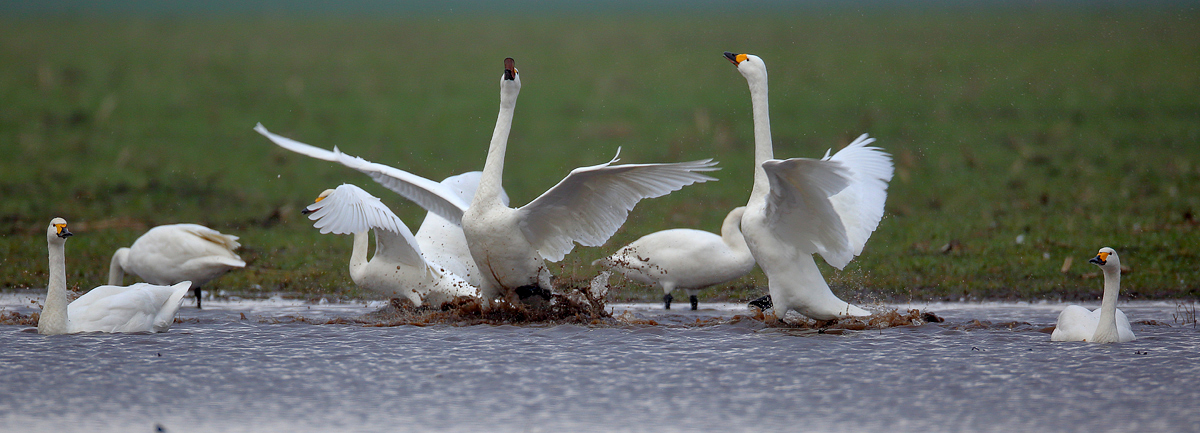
x=1023 y=133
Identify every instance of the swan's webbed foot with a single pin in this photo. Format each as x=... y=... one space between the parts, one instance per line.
x=764 y=303
x=667 y=298
x=695 y=301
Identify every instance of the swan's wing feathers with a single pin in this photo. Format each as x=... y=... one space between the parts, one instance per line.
x=591 y=203
x=296 y=146
x=350 y=209
x=228 y=242
x=426 y=193
x=860 y=204
x=798 y=209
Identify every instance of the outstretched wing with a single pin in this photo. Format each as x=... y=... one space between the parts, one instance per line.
x=798 y=209
x=350 y=209
x=426 y=193
x=860 y=204
x=591 y=203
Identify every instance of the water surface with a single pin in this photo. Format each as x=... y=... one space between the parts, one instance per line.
x=978 y=371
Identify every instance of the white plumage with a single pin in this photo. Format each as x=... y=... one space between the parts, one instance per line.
x=799 y=207
x=169 y=254
x=141 y=307
x=510 y=246
x=685 y=259
x=1106 y=324
x=398 y=267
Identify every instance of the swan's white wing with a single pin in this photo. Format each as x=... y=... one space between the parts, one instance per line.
x=860 y=204
x=591 y=203
x=464 y=185
x=426 y=193
x=798 y=209
x=350 y=210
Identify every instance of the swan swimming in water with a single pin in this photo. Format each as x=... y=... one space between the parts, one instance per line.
x=141 y=307
x=173 y=253
x=685 y=258
x=799 y=207
x=441 y=239
x=1106 y=324
x=398 y=268
x=587 y=207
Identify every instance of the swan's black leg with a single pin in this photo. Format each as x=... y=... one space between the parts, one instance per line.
x=695 y=301
x=667 y=298
x=764 y=303
x=197 y=291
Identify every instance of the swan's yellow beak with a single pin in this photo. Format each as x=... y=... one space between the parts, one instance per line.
x=1100 y=259
x=62 y=231
x=735 y=58
x=510 y=69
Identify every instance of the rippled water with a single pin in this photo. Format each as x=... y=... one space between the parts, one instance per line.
x=218 y=371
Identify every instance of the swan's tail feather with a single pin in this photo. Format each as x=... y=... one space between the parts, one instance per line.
x=166 y=314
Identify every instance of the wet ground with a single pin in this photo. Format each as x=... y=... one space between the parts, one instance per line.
x=253 y=366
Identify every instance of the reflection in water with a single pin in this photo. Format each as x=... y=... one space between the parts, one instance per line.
x=232 y=368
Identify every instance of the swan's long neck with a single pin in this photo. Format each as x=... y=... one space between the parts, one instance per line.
x=358 y=256
x=763 y=149
x=1106 y=330
x=116 y=271
x=493 y=169
x=53 y=319
x=731 y=233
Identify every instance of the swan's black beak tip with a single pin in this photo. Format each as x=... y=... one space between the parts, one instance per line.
x=65 y=234
x=1097 y=261
x=732 y=57
x=510 y=69
x=306 y=211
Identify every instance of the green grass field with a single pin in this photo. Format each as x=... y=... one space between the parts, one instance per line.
x=1069 y=128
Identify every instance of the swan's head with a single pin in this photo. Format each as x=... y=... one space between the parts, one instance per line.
x=314 y=207
x=510 y=82
x=1106 y=259
x=57 y=232
x=751 y=66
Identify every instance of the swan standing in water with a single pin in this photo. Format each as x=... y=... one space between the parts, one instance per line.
x=173 y=253
x=510 y=246
x=1106 y=324
x=441 y=239
x=138 y=308
x=685 y=258
x=799 y=207
x=398 y=268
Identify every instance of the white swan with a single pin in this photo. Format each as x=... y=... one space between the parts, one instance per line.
x=173 y=253
x=685 y=258
x=803 y=206
x=138 y=308
x=398 y=268
x=443 y=242
x=1106 y=324
x=587 y=207
x=441 y=239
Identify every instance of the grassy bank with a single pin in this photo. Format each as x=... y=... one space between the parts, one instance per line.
x=1022 y=137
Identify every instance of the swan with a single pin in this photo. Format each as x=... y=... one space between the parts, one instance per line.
x=800 y=206
x=685 y=258
x=169 y=254
x=1106 y=324
x=398 y=268
x=141 y=307
x=510 y=246
x=443 y=242
x=441 y=239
